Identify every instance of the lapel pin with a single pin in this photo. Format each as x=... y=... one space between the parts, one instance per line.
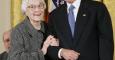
x=84 y=14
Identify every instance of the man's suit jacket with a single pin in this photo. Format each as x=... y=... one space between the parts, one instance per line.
x=3 y=56
x=93 y=36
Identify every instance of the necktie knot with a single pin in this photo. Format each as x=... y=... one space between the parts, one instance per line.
x=71 y=8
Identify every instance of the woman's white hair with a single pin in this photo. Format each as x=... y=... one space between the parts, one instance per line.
x=25 y=5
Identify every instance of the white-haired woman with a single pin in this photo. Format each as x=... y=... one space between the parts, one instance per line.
x=27 y=37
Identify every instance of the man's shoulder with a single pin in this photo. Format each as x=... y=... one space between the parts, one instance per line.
x=2 y=55
x=94 y=4
x=58 y=10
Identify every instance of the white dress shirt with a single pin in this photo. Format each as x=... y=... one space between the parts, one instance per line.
x=76 y=4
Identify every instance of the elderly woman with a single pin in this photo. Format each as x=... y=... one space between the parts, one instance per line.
x=27 y=37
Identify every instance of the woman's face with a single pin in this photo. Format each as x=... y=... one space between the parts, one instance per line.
x=35 y=10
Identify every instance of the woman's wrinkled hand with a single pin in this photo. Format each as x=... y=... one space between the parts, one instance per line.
x=50 y=41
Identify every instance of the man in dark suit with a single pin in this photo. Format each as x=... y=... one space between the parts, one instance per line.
x=6 y=41
x=85 y=35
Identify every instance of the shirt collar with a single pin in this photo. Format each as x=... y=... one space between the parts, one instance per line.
x=76 y=4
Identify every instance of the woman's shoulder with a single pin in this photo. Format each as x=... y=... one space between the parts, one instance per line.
x=19 y=27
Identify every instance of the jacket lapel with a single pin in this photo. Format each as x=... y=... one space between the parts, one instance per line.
x=80 y=24
x=63 y=26
x=33 y=36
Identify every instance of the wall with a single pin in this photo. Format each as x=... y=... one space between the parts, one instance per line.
x=4 y=19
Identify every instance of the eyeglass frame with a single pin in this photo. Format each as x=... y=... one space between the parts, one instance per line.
x=40 y=6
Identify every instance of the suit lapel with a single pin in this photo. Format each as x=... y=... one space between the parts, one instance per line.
x=67 y=26
x=80 y=24
x=64 y=28
x=63 y=25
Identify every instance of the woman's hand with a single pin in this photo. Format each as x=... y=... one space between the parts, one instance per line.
x=54 y=42
x=49 y=41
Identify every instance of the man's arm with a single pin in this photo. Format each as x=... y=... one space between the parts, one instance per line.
x=52 y=51
x=106 y=46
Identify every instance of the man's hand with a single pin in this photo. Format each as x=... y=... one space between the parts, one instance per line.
x=69 y=54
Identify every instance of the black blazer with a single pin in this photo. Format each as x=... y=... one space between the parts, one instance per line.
x=3 y=56
x=93 y=36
